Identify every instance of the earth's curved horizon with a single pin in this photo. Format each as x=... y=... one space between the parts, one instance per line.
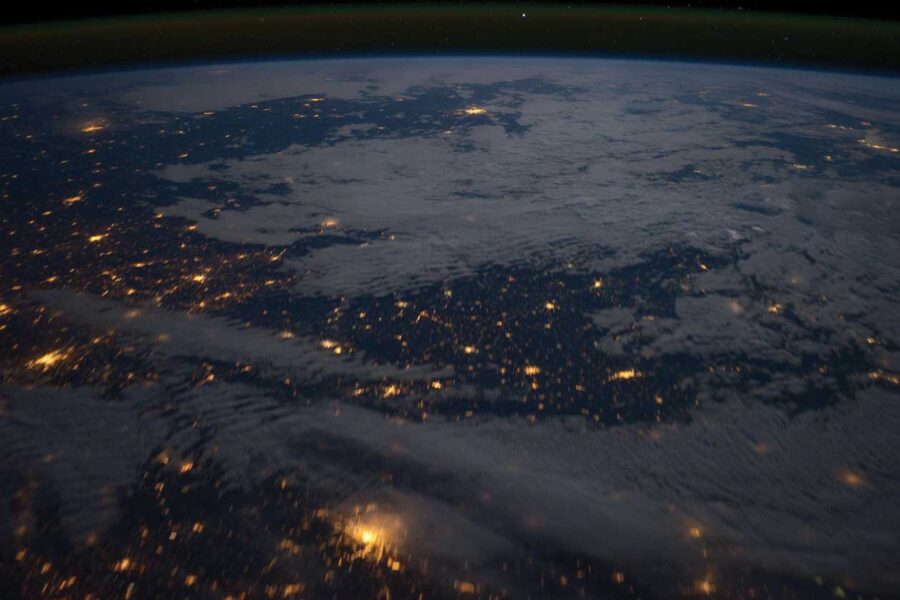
x=450 y=327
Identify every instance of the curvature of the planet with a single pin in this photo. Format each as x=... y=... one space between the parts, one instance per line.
x=459 y=327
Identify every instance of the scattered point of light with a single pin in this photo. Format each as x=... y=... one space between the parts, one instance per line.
x=705 y=586
x=5 y=309
x=532 y=370
x=598 y=283
x=850 y=478
x=465 y=587
x=198 y=278
x=550 y=305
x=186 y=467
x=436 y=385
x=625 y=374
x=877 y=146
x=73 y=199
x=470 y=349
x=774 y=308
x=92 y=128
x=122 y=565
x=390 y=391
x=474 y=111
x=695 y=533
x=98 y=237
x=329 y=223
x=884 y=376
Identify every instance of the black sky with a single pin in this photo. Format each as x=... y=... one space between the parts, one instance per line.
x=54 y=11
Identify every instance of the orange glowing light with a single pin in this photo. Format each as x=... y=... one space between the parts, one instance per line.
x=850 y=478
x=705 y=586
x=122 y=565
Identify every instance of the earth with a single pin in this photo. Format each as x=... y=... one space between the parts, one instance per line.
x=433 y=327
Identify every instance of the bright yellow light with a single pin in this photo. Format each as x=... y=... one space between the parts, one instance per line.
x=48 y=360
x=92 y=128
x=625 y=374
x=475 y=110
x=367 y=536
